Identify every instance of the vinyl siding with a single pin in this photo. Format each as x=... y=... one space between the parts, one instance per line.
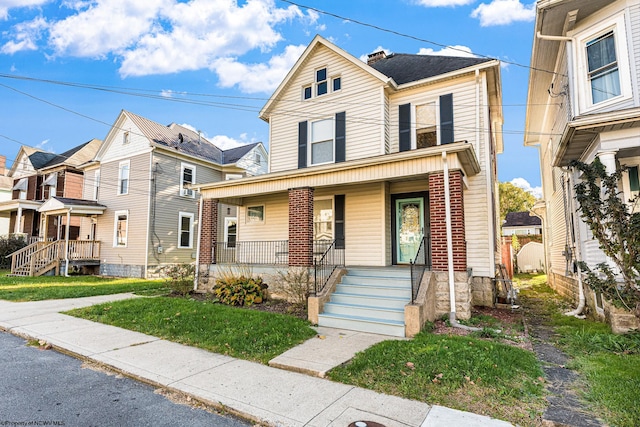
x=276 y=219
x=634 y=40
x=136 y=202
x=364 y=120
x=116 y=149
x=248 y=163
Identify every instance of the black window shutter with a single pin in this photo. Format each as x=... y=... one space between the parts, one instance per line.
x=302 y=145
x=340 y=137
x=404 y=114
x=446 y=119
x=339 y=219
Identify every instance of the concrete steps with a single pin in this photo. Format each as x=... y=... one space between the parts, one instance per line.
x=369 y=300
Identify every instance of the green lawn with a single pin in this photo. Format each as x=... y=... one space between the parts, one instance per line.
x=237 y=332
x=57 y=287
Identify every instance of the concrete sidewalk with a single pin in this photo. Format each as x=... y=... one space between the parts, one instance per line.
x=257 y=392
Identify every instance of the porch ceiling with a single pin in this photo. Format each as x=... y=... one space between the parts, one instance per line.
x=9 y=206
x=408 y=165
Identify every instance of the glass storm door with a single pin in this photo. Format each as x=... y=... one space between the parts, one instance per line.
x=409 y=228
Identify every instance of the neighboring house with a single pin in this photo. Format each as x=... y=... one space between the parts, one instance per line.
x=583 y=103
x=38 y=176
x=141 y=174
x=359 y=155
x=6 y=185
x=521 y=223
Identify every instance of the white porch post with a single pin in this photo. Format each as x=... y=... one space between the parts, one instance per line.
x=608 y=159
x=66 y=243
x=16 y=226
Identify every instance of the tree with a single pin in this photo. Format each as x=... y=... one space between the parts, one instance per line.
x=513 y=199
x=617 y=230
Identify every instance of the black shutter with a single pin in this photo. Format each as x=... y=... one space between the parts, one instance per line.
x=340 y=137
x=302 y=145
x=339 y=219
x=404 y=123
x=446 y=119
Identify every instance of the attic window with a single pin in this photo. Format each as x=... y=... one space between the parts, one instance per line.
x=321 y=82
x=337 y=83
x=125 y=138
x=306 y=92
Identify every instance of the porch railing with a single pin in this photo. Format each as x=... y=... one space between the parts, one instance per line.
x=326 y=264
x=252 y=252
x=32 y=259
x=420 y=264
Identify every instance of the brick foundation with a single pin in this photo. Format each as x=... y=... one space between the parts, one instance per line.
x=437 y=215
x=208 y=232
x=301 y=226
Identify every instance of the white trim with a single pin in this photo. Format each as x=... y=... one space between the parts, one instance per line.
x=96 y=184
x=115 y=229
x=333 y=215
x=120 y=169
x=414 y=123
x=227 y=220
x=230 y=176
x=186 y=192
x=191 y=217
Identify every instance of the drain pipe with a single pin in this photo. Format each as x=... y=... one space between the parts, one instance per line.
x=196 y=274
x=452 y=287
x=578 y=256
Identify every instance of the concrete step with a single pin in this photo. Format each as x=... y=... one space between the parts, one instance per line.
x=369 y=300
x=378 y=291
x=397 y=272
x=401 y=282
x=396 y=314
x=363 y=324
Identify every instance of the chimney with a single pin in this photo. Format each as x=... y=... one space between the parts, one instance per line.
x=3 y=165
x=375 y=57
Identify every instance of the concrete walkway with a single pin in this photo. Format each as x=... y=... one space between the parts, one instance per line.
x=256 y=392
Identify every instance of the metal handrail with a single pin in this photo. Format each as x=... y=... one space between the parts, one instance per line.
x=420 y=264
x=325 y=265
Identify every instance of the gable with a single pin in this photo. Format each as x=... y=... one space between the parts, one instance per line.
x=22 y=166
x=125 y=139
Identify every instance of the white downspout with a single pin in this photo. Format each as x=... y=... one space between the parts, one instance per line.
x=452 y=287
x=581 y=297
x=196 y=274
x=66 y=244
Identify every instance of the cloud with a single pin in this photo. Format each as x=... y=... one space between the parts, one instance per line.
x=504 y=12
x=443 y=3
x=225 y=143
x=524 y=184
x=256 y=78
x=5 y=5
x=25 y=36
x=364 y=57
x=456 y=50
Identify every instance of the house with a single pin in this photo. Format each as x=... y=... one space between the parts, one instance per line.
x=373 y=167
x=583 y=103
x=530 y=254
x=36 y=177
x=6 y=185
x=521 y=223
x=140 y=174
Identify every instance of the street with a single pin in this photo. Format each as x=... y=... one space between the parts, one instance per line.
x=47 y=388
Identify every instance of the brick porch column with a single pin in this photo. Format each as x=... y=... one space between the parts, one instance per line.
x=301 y=226
x=438 y=222
x=208 y=231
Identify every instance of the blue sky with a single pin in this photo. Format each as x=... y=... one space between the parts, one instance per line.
x=67 y=68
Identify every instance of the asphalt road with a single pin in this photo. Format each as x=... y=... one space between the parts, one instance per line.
x=47 y=388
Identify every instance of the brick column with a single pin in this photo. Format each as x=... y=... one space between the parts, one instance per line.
x=301 y=226
x=438 y=222
x=208 y=231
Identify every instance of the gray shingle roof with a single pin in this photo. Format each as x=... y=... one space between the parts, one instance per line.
x=232 y=155
x=404 y=68
x=40 y=159
x=78 y=202
x=521 y=219
x=63 y=157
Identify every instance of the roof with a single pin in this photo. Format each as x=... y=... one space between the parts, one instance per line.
x=404 y=68
x=73 y=157
x=39 y=159
x=521 y=219
x=74 y=206
x=232 y=155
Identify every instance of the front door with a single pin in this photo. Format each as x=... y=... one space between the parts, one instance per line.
x=409 y=228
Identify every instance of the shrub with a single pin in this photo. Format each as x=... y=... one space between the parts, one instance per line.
x=240 y=291
x=294 y=284
x=8 y=245
x=179 y=277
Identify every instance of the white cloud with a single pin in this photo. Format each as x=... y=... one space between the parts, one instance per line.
x=504 y=12
x=444 y=3
x=524 y=184
x=26 y=35
x=364 y=57
x=456 y=50
x=255 y=78
x=225 y=142
x=321 y=27
x=5 y=5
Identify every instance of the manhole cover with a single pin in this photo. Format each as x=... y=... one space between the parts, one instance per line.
x=366 y=424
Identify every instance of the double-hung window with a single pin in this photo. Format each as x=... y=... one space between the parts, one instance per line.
x=187 y=177
x=123 y=177
x=120 y=229
x=322 y=86
x=185 y=232
x=602 y=61
x=321 y=141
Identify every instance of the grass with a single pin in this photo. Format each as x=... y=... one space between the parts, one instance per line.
x=241 y=333
x=58 y=287
x=609 y=364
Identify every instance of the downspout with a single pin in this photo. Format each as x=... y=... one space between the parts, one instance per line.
x=196 y=274
x=452 y=288
x=66 y=244
x=578 y=256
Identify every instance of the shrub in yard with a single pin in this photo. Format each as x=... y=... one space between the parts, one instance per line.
x=8 y=245
x=294 y=284
x=179 y=277
x=240 y=291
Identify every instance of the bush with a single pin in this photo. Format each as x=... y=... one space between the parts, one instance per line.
x=8 y=245
x=294 y=284
x=179 y=277
x=240 y=290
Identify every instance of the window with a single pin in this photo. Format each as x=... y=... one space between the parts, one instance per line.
x=322 y=141
x=603 y=68
x=185 y=230
x=96 y=184
x=125 y=138
x=123 y=177
x=306 y=92
x=426 y=125
x=51 y=184
x=255 y=214
x=187 y=177
x=323 y=219
x=230 y=231
x=634 y=182
x=321 y=82
x=337 y=84
x=120 y=228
